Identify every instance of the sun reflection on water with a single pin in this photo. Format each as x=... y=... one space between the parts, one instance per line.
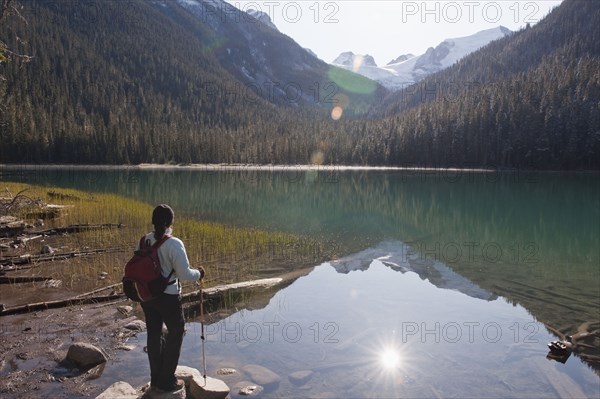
x=389 y=359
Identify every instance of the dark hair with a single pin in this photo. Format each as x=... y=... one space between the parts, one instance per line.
x=162 y=218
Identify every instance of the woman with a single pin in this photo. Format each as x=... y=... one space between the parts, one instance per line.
x=163 y=351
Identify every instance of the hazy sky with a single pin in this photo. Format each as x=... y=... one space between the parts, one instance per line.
x=386 y=29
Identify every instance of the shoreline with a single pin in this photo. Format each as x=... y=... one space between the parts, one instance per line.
x=284 y=168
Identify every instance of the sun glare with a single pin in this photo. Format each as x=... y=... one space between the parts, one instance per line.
x=390 y=359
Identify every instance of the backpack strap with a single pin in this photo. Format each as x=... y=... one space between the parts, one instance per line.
x=144 y=243
x=158 y=243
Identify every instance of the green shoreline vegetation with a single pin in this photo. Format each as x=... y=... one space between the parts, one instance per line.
x=229 y=254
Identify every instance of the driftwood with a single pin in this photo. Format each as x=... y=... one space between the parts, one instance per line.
x=48 y=211
x=25 y=240
x=61 y=196
x=97 y=291
x=215 y=291
x=7 y=263
x=78 y=228
x=18 y=201
x=18 y=227
x=32 y=307
x=10 y=226
x=22 y=279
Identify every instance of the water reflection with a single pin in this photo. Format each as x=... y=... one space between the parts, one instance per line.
x=530 y=238
x=403 y=258
x=378 y=333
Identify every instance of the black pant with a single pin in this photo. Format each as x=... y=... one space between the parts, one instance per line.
x=163 y=352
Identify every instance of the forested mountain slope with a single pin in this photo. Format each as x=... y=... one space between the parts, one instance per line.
x=151 y=81
x=530 y=100
x=148 y=81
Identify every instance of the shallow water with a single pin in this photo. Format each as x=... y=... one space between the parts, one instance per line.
x=371 y=328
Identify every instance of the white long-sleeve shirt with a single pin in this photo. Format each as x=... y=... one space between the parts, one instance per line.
x=172 y=256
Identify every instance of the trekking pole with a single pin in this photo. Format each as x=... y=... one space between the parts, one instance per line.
x=202 y=330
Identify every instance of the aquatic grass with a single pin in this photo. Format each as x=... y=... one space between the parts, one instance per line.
x=228 y=254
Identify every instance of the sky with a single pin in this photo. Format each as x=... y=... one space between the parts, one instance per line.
x=387 y=29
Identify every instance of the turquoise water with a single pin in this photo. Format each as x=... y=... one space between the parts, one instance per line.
x=425 y=255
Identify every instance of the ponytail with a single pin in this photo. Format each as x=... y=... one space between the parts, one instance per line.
x=159 y=231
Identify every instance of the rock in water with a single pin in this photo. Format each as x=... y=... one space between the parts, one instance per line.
x=121 y=390
x=85 y=356
x=213 y=389
x=226 y=371
x=262 y=375
x=250 y=390
x=300 y=377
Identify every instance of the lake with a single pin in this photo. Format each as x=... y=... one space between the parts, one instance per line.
x=442 y=283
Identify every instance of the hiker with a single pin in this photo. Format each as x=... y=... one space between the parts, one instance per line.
x=164 y=351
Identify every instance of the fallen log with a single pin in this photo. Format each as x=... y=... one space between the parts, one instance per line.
x=213 y=291
x=12 y=230
x=210 y=294
x=25 y=240
x=32 y=259
x=62 y=196
x=33 y=307
x=108 y=287
x=22 y=279
x=227 y=296
x=77 y=228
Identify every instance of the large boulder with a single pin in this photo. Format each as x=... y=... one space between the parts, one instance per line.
x=211 y=388
x=186 y=374
x=121 y=390
x=85 y=356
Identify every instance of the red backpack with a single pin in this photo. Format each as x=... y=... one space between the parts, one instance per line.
x=142 y=278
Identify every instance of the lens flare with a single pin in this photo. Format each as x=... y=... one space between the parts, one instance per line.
x=336 y=113
x=351 y=82
x=357 y=63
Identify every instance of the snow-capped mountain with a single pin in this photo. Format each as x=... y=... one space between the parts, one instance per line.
x=362 y=64
x=408 y=69
x=402 y=58
x=350 y=59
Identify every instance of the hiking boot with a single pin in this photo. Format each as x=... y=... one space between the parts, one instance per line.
x=176 y=386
